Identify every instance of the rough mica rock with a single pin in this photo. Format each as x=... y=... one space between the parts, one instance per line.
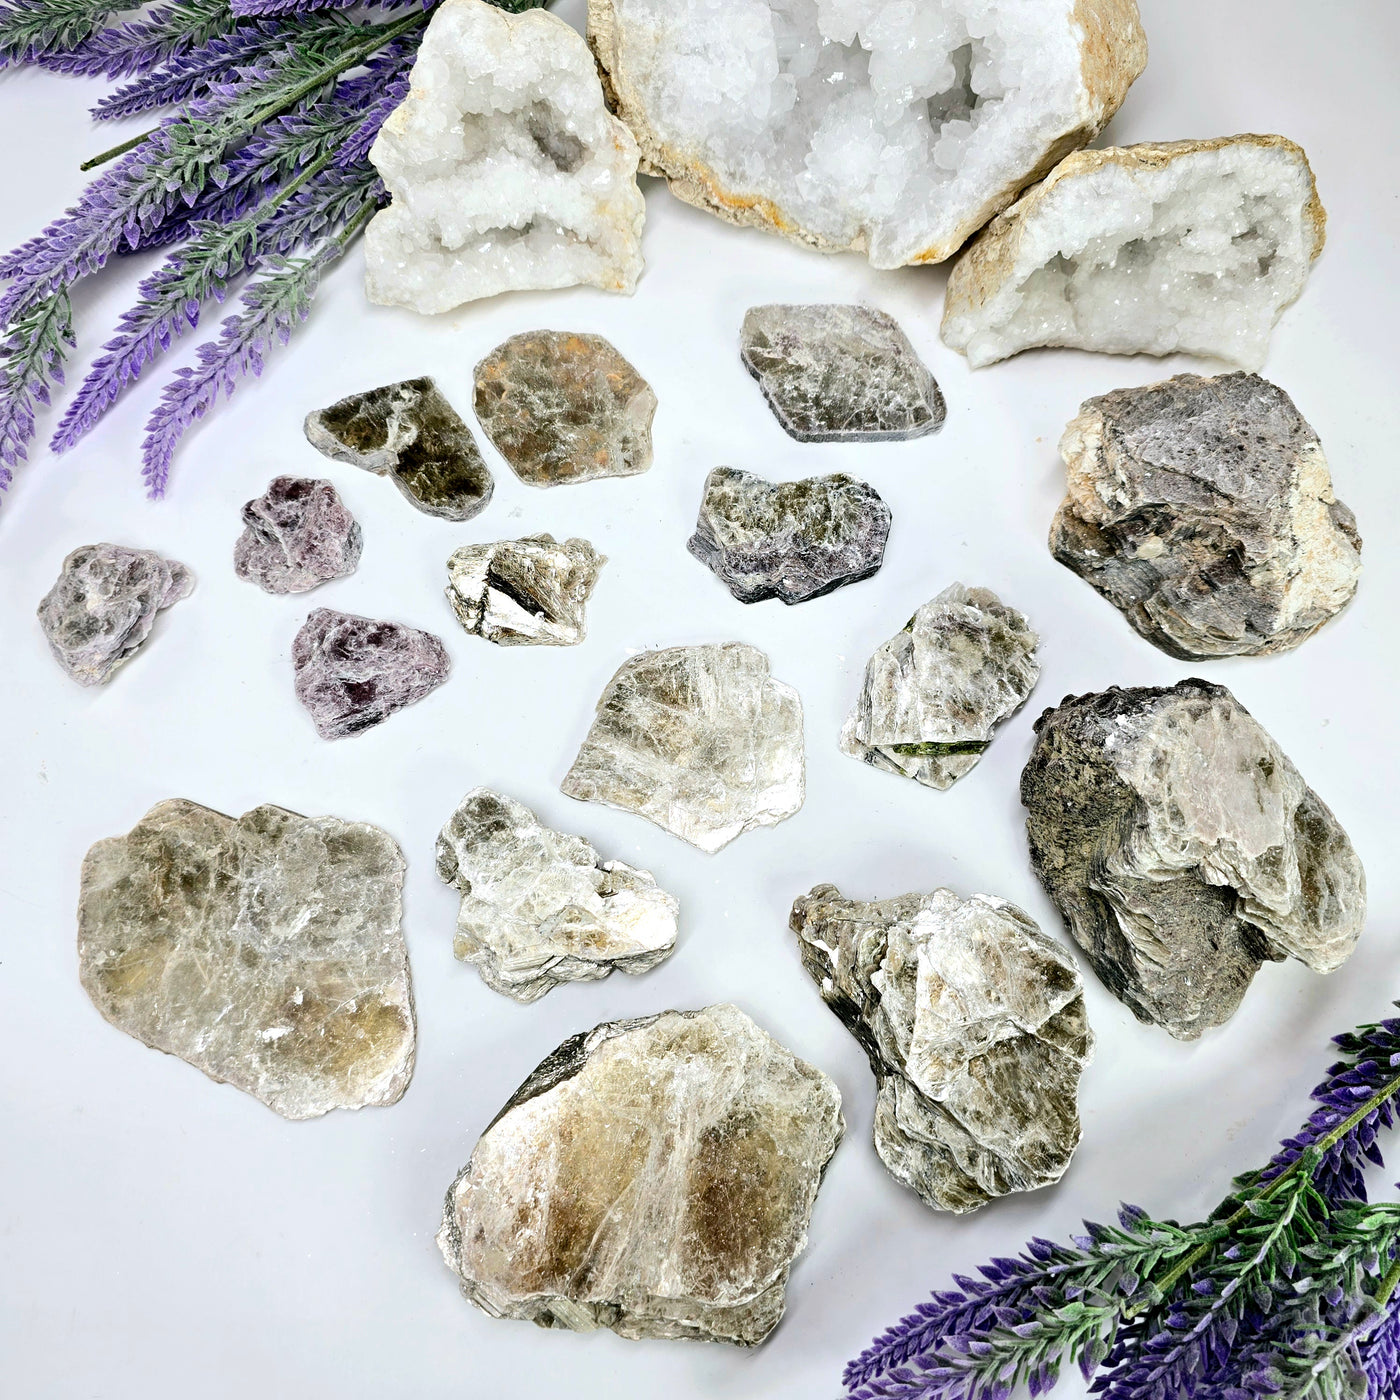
x=562 y=407
x=934 y=693
x=834 y=373
x=1193 y=246
x=1183 y=848
x=353 y=672
x=653 y=1176
x=297 y=535
x=265 y=951
x=100 y=612
x=507 y=172
x=1202 y=509
x=538 y=906
x=895 y=130
x=529 y=592
x=411 y=434
x=975 y=1026
x=792 y=540
x=700 y=740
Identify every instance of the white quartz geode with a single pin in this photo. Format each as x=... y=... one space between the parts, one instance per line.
x=895 y=129
x=506 y=170
x=1194 y=246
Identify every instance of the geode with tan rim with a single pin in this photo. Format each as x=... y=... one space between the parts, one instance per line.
x=529 y=592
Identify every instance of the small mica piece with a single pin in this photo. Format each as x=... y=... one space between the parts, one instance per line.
x=975 y=1026
x=529 y=592
x=538 y=906
x=102 y=609
x=265 y=951
x=840 y=374
x=353 y=672
x=410 y=433
x=700 y=740
x=792 y=540
x=562 y=407
x=653 y=1176
x=298 y=536
x=934 y=694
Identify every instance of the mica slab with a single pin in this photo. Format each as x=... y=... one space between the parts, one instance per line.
x=297 y=535
x=528 y=592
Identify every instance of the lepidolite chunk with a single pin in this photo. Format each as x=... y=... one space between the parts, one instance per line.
x=297 y=535
x=529 y=592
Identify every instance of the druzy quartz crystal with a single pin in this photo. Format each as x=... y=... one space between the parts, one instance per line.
x=297 y=535
x=265 y=951
x=529 y=592
x=654 y=1176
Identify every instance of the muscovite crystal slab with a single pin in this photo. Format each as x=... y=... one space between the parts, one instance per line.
x=298 y=535
x=529 y=592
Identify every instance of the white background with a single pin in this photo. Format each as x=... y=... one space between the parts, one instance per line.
x=163 y=1236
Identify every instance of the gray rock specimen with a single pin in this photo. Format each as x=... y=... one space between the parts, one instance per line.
x=410 y=433
x=700 y=740
x=561 y=407
x=653 y=1176
x=792 y=540
x=353 y=672
x=934 y=693
x=1183 y=848
x=265 y=951
x=101 y=611
x=538 y=906
x=297 y=536
x=529 y=592
x=840 y=374
x=1202 y=509
x=975 y=1027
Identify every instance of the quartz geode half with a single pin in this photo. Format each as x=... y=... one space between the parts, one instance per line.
x=297 y=535
x=1183 y=848
x=265 y=951
x=1202 y=509
x=653 y=1176
x=975 y=1026
x=529 y=592
x=538 y=906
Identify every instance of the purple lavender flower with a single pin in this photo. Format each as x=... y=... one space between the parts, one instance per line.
x=138 y=47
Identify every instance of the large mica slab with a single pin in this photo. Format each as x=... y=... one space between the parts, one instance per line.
x=297 y=535
x=701 y=740
x=529 y=592
x=1183 y=848
x=653 y=1176
x=563 y=406
x=411 y=434
x=538 y=906
x=792 y=540
x=506 y=170
x=354 y=672
x=1203 y=510
x=975 y=1026
x=266 y=951
x=834 y=373
x=934 y=694
x=100 y=612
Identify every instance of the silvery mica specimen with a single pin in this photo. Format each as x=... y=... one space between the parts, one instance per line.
x=100 y=612
x=934 y=693
x=792 y=540
x=562 y=406
x=265 y=951
x=1183 y=848
x=529 y=592
x=353 y=672
x=298 y=535
x=840 y=374
x=538 y=906
x=1202 y=509
x=700 y=740
x=653 y=1176
x=975 y=1026
x=410 y=433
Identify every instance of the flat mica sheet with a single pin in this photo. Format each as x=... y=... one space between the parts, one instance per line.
x=975 y=1026
x=1183 y=848
x=297 y=535
x=1203 y=510
x=265 y=951
x=653 y=1176
x=700 y=740
x=538 y=906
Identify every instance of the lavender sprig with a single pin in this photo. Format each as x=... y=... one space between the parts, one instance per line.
x=31 y=359
x=140 y=45
x=32 y=29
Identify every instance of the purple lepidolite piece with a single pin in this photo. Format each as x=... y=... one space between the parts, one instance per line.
x=299 y=535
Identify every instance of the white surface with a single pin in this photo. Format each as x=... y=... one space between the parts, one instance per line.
x=162 y=1236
